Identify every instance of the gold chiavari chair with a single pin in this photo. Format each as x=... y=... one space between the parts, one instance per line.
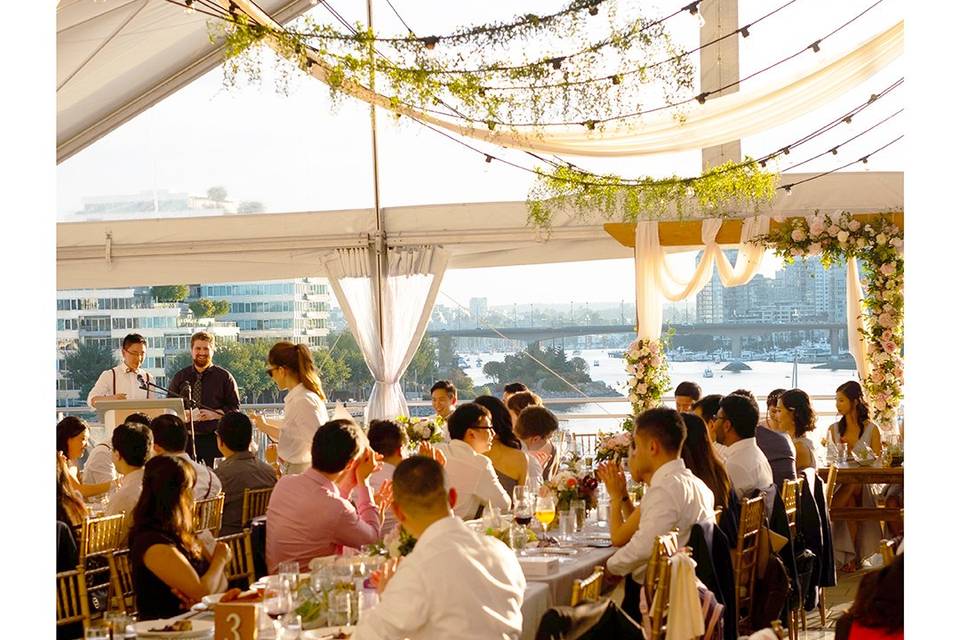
x=72 y=604
x=207 y=514
x=254 y=504
x=100 y=535
x=888 y=551
x=745 y=558
x=121 y=582
x=664 y=548
x=828 y=488
x=665 y=545
x=790 y=494
x=241 y=564
x=587 y=589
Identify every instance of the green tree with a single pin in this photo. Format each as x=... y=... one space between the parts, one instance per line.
x=217 y=194
x=206 y=308
x=85 y=365
x=170 y=292
x=250 y=206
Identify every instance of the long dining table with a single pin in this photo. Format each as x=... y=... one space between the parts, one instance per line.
x=852 y=473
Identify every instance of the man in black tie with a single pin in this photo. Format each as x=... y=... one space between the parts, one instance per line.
x=213 y=388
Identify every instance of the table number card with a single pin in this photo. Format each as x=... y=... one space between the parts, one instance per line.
x=236 y=621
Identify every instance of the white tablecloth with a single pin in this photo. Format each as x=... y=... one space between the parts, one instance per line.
x=572 y=567
x=536 y=601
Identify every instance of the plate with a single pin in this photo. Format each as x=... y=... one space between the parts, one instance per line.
x=211 y=599
x=201 y=629
x=325 y=633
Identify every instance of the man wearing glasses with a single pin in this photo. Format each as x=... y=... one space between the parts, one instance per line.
x=736 y=426
x=470 y=474
x=118 y=383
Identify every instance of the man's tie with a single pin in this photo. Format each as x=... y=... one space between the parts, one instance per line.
x=197 y=388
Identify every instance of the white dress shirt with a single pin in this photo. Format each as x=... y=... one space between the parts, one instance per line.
x=99 y=466
x=747 y=467
x=303 y=413
x=474 y=478
x=675 y=499
x=534 y=468
x=454 y=584
x=126 y=383
x=126 y=497
x=207 y=484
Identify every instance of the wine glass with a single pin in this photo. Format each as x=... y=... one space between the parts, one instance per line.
x=277 y=600
x=545 y=511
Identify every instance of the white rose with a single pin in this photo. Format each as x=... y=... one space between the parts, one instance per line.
x=842 y=236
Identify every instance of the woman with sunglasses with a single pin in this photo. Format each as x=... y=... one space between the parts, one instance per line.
x=291 y=367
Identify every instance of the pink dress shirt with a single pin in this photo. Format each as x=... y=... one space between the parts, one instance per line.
x=308 y=518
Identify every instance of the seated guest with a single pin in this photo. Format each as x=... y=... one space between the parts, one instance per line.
x=308 y=515
x=772 y=420
x=777 y=447
x=707 y=408
x=469 y=472
x=387 y=439
x=534 y=426
x=520 y=401
x=702 y=460
x=239 y=469
x=746 y=465
x=99 y=466
x=170 y=437
x=877 y=610
x=455 y=583
x=168 y=562
x=70 y=514
x=72 y=438
x=674 y=499
x=686 y=394
x=132 y=445
x=509 y=461
x=797 y=419
x=511 y=389
x=443 y=396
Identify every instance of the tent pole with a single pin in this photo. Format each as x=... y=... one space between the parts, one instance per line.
x=380 y=245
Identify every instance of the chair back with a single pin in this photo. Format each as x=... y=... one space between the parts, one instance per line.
x=745 y=557
x=660 y=607
x=254 y=504
x=888 y=551
x=100 y=535
x=121 y=582
x=587 y=589
x=72 y=603
x=831 y=483
x=241 y=562
x=586 y=442
x=207 y=514
x=663 y=546
x=790 y=494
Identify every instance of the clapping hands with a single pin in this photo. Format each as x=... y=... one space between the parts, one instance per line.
x=428 y=450
x=612 y=476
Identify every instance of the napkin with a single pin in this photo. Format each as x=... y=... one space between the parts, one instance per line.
x=686 y=618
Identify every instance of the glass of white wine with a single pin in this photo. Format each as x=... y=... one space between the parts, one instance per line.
x=544 y=511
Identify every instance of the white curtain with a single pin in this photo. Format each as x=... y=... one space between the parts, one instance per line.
x=731 y=117
x=656 y=281
x=409 y=291
x=855 y=325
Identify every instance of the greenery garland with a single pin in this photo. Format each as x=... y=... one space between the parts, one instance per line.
x=518 y=71
x=725 y=189
x=878 y=247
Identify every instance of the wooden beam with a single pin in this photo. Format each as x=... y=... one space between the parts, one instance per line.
x=676 y=233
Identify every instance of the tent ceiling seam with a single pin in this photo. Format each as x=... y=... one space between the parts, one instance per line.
x=106 y=41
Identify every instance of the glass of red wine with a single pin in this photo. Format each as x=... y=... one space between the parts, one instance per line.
x=277 y=600
x=522 y=516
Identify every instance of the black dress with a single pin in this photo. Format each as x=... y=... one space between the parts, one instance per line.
x=154 y=598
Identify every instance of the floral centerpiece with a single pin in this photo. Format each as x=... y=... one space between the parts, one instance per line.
x=648 y=377
x=429 y=430
x=878 y=247
x=615 y=447
x=571 y=484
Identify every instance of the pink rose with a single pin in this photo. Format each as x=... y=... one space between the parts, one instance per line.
x=885 y=320
x=798 y=235
x=833 y=230
x=886 y=335
x=854 y=224
x=814 y=248
x=816 y=227
x=889 y=346
x=897 y=242
x=888 y=269
x=877 y=376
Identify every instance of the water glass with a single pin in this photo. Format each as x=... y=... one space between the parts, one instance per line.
x=290 y=572
x=579 y=507
x=277 y=598
x=568 y=524
x=340 y=609
x=843 y=452
x=118 y=622
x=367 y=599
x=292 y=626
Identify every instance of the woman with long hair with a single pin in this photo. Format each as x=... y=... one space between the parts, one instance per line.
x=170 y=566
x=855 y=430
x=701 y=458
x=70 y=506
x=796 y=418
x=506 y=453
x=291 y=367
x=72 y=437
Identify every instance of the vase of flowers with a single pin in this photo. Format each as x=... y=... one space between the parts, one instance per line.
x=419 y=430
x=615 y=447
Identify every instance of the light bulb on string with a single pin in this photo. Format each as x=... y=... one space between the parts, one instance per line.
x=189 y=8
x=787 y=190
x=700 y=21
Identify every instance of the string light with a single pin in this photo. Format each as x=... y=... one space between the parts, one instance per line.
x=848 y=119
x=788 y=189
x=702 y=98
x=815 y=46
x=785 y=151
x=615 y=78
x=430 y=42
x=488 y=159
x=189 y=8
x=745 y=32
x=833 y=151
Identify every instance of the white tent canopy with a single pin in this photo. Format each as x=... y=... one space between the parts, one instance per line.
x=285 y=245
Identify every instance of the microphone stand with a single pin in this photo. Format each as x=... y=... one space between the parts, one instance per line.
x=188 y=403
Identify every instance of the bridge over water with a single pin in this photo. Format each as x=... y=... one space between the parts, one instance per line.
x=736 y=331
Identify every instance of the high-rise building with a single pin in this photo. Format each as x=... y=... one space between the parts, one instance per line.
x=293 y=310
x=105 y=316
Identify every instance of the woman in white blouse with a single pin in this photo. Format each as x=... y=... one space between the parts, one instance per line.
x=291 y=367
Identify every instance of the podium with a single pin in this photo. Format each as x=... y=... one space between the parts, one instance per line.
x=114 y=412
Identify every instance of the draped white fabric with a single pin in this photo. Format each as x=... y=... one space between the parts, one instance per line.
x=719 y=120
x=855 y=325
x=409 y=291
x=655 y=280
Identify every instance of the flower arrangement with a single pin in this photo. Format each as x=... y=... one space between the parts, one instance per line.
x=570 y=484
x=878 y=246
x=648 y=377
x=421 y=430
x=616 y=447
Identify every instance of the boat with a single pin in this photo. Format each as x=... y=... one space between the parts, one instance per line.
x=617 y=355
x=479 y=362
x=576 y=352
x=708 y=373
x=596 y=363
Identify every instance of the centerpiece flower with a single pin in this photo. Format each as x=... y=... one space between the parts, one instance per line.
x=418 y=430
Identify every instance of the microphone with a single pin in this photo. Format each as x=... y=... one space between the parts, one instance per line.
x=143 y=384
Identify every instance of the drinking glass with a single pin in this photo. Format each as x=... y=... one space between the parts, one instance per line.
x=844 y=452
x=277 y=599
x=290 y=572
x=340 y=609
x=520 y=494
x=568 y=524
x=522 y=515
x=292 y=626
x=545 y=511
x=97 y=632
x=118 y=622
x=579 y=507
